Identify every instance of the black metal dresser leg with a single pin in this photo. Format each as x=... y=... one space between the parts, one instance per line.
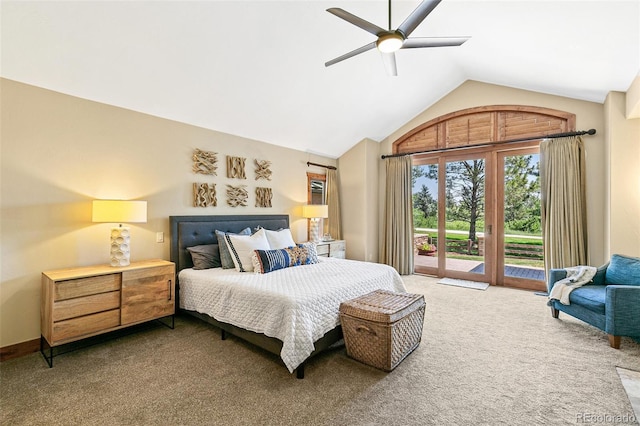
x=49 y=358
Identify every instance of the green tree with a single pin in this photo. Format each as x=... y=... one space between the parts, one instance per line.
x=424 y=201
x=522 y=194
x=465 y=191
x=425 y=208
x=416 y=172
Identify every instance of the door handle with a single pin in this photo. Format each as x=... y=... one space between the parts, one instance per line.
x=169 y=285
x=489 y=229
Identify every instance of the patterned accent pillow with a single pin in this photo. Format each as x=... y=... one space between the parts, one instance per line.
x=265 y=261
x=312 y=251
x=225 y=255
x=205 y=256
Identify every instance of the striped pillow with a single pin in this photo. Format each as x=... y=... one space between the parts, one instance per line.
x=265 y=261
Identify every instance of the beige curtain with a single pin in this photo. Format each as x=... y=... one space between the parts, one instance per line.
x=563 y=202
x=333 y=201
x=397 y=244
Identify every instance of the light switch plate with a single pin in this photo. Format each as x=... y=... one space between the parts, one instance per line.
x=159 y=237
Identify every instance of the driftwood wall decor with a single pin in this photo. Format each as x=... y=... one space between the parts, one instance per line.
x=204 y=195
x=205 y=162
x=235 y=167
x=263 y=170
x=237 y=195
x=263 y=197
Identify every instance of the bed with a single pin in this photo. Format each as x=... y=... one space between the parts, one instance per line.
x=292 y=312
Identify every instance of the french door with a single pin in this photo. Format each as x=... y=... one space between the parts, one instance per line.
x=519 y=249
x=473 y=216
x=450 y=211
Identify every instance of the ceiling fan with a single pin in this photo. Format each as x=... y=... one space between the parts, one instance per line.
x=390 y=40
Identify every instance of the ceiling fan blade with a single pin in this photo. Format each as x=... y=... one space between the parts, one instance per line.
x=412 y=43
x=357 y=21
x=389 y=60
x=352 y=53
x=417 y=16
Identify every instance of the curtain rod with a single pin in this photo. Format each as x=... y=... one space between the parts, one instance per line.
x=553 y=136
x=321 y=165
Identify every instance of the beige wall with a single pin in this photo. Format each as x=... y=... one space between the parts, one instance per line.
x=358 y=170
x=588 y=115
x=623 y=181
x=59 y=152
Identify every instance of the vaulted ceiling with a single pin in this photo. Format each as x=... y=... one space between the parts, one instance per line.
x=256 y=68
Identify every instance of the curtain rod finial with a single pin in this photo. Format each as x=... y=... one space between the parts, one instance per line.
x=591 y=131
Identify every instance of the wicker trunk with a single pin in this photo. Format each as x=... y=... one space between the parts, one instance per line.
x=381 y=328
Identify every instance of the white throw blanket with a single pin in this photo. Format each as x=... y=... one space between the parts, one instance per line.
x=576 y=277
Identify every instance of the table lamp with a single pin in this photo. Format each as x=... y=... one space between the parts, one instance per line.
x=315 y=212
x=119 y=211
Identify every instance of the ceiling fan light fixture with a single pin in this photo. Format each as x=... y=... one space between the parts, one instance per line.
x=389 y=43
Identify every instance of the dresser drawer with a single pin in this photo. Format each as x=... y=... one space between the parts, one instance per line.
x=322 y=250
x=335 y=248
x=87 y=324
x=86 y=286
x=340 y=254
x=80 y=306
x=338 y=246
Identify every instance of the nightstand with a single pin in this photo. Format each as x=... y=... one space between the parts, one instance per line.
x=335 y=248
x=78 y=303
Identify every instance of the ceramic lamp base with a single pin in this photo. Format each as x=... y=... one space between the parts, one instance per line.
x=314 y=234
x=120 y=246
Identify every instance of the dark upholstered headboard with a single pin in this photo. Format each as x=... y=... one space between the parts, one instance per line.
x=188 y=231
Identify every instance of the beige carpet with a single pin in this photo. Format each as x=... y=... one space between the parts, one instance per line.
x=487 y=358
x=631 y=381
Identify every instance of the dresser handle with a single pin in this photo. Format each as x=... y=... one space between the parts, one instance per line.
x=169 y=284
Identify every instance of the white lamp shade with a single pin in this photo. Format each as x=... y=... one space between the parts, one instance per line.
x=390 y=42
x=314 y=211
x=119 y=211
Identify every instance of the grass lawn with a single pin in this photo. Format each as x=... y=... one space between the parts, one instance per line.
x=536 y=244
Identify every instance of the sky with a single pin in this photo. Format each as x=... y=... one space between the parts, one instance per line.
x=432 y=184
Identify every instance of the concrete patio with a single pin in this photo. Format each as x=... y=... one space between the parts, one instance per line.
x=474 y=266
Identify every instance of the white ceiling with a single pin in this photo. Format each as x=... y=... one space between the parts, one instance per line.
x=256 y=68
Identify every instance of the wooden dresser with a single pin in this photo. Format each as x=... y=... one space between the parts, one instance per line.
x=82 y=302
x=335 y=248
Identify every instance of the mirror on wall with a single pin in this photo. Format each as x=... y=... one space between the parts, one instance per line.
x=316 y=194
x=316 y=187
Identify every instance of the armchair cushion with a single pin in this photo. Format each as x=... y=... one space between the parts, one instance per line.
x=623 y=270
x=592 y=297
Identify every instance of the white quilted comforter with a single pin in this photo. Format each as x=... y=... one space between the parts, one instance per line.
x=296 y=305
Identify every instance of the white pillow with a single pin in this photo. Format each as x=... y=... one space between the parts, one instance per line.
x=280 y=239
x=241 y=248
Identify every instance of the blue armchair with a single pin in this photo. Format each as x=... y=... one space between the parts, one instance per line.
x=611 y=302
